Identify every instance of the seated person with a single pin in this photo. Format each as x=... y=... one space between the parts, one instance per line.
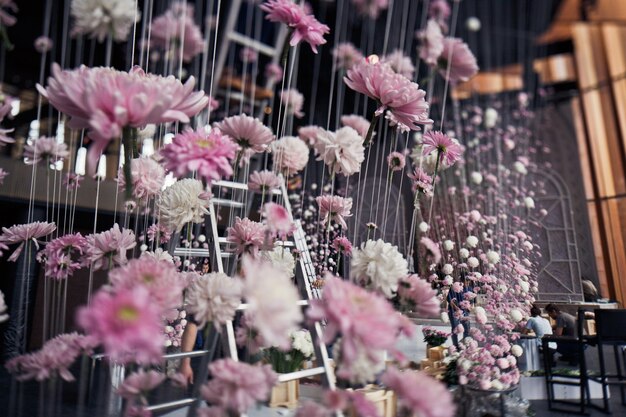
x=565 y=326
x=590 y=292
x=540 y=326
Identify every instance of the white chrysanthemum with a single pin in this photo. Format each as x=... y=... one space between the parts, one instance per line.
x=3 y=308
x=423 y=227
x=445 y=317
x=491 y=117
x=99 y=18
x=472 y=241
x=290 y=154
x=473 y=262
x=520 y=168
x=476 y=177
x=342 y=151
x=183 y=202
x=447 y=280
x=516 y=315
x=517 y=350
x=481 y=314
x=214 y=298
x=159 y=255
x=493 y=257
x=497 y=385
x=525 y=286
x=463 y=253
x=301 y=340
x=448 y=245
x=282 y=259
x=378 y=265
x=447 y=269
x=529 y=202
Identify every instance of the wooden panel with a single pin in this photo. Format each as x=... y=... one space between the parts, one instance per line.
x=583 y=149
x=606 y=284
x=615 y=44
x=607 y=11
x=616 y=249
x=556 y=69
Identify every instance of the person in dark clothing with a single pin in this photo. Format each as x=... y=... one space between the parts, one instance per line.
x=458 y=310
x=565 y=326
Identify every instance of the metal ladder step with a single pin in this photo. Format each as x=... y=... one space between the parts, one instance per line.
x=252 y=43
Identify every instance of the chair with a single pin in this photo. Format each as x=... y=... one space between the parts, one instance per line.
x=552 y=379
x=610 y=331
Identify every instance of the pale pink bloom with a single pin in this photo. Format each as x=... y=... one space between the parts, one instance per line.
x=309 y=134
x=432 y=248
x=334 y=207
x=263 y=181
x=108 y=249
x=209 y=155
x=279 y=221
x=431 y=43
x=214 y=298
x=147 y=175
x=311 y=409
x=396 y=161
x=346 y=55
x=419 y=393
x=273 y=72
x=161 y=279
x=24 y=233
x=311 y=31
x=248 y=55
x=237 y=386
x=420 y=296
x=290 y=155
x=105 y=101
x=342 y=244
x=392 y=91
x=400 y=63
x=102 y=18
x=62 y=255
x=54 y=358
x=422 y=182
x=183 y=202
x=43 y=44
x=461 y=62
x=45 y=149
x=159 y=233
x=457 y=287
x=365 y=321
x=440 y=11
x=448 y=150
x=248 y=132
x=371 y=8
x=176 y=28
x=126 y=323
x=342 y=151
x=72 y=181
x=246 y=235
x=7 y=6
x=293 y=101
x=283 y=11
x=273 y=314
x=140 y=383
x=356 y=122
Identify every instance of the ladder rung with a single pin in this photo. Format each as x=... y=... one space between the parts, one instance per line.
x=301 y=303
x=193 y=252
x=180 y=355
x=226 y=203
x=285 y=243
x=171 y=405
x=252 y=43
x=240 y=186
x=304 y=373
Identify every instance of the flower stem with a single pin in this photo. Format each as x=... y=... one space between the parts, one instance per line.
x=436 y=167
x=127 y=139
x=286 y=46
x=370 y=131
x=4 y=36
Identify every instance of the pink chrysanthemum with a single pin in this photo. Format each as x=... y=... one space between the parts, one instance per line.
x=400 y=63
x=431 y=40
x=176 y=28
x=279 y=221
x=159 y=233
x=342 y=151
x=263 y=181
x=208 y=155
x=462 y=63
x=290 y=155
x=7 y=6
x=126 y=323
x=72 y=181
x=371 y=8
x=448 y=150
x=273 y=72
x=53 y=359
x=356 y=122
x=396 y=161
x=108 y=249
x=45 y=149
x=440 y=11
x=246 y=235
x=342 y=244
x=248 y=132
x=24 y=233
x=62 y=255
x=420 y=296
x=148 y=177
x=161 y=279
x=237 y=386
x=293 y=101
x=140 y=383
x=43 y=44
x=422 y=182
x=392 y=91
x=334 y=207
x=309 y=134
x=346 y=55
x=432 y=248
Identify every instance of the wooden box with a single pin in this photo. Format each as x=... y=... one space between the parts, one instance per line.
x=384 y=400
x=285 y=394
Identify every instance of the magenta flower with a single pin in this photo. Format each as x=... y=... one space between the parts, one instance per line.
x=420 y=394
x=246 y=235
x=148 y=177
x=431 y=40
x=290 y=155
x=108 y=249
x=237 y=386
x=54 y=358
x=43 y=44
x=334 y=207
x=396 y=161
x=279 y=221
x=448 y=150
x=356 y=122
x=45 y=149
x=7 y=6
x=263 y=181
x=177 y=29
x=346 y=55
x=293 y=101
x=392 y=91
x=62 y=255
x=208 y=155
x=432 y=248
x=343 y=245
x=273 y=72
x=23 y=233
x=126 y=323
x=248 y=132
x=161 y=279
x=422 y=182
x=140 y=383
x=420 y=296
x=461 y=62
